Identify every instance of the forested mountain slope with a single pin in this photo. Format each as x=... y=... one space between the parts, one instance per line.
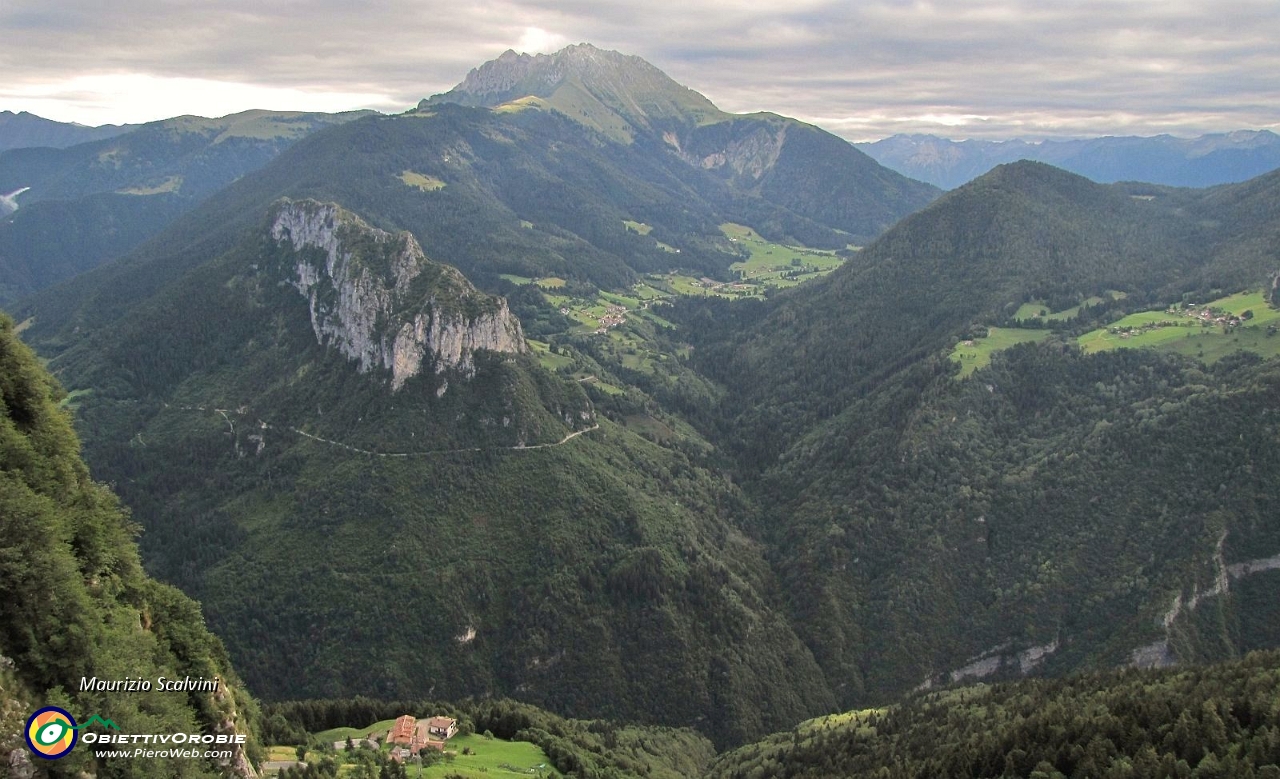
x=1024 y=231
x=1043 y=514
x=347 y=454
x=77 y=604
x=810 y=172
x=1216 y=721
x=820 y=510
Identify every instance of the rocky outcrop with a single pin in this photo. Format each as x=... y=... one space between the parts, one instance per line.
x=375 y=297
x=752 y=155
x=996 y=660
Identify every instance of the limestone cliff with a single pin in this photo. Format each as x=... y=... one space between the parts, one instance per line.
x=375 y=297
x=749 y=149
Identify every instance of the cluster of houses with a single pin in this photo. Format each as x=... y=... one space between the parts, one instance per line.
x=409 y=736
x=614 y=316
x=1206 y=316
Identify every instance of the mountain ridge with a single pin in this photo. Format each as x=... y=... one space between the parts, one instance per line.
x=1206 y=160
x=89 y=203
x=26 y=130
x=439 y=313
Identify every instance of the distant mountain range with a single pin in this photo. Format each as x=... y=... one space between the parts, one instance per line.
x=79 y=206
x=26 y=130
x=1220 y=158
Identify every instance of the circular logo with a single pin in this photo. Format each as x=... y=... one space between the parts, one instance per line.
x=51 y=732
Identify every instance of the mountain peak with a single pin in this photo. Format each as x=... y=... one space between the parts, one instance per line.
x=612 y=92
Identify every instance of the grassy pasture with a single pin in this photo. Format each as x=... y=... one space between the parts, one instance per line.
x=520 y=104
x=642 y=291
x=492 y=757
x=421 y=181
x=1237 y=304
x=976 y=354
x=546 y=358
x=170 y=184
x=1211 y=345
x=551 y=282
x=1032 y=309
x=342 y=734
x=639 y=227
x=770 y=262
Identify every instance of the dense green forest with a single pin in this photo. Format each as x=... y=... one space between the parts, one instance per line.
x=77 y=603
x=1024 y=231
x=1218 y=721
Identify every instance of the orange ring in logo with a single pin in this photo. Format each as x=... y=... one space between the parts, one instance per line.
x=51 y=732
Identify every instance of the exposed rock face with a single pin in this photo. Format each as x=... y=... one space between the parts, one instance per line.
x=376 y=298
x=752 y=155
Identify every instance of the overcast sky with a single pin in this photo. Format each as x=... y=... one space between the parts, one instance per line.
x=865 y=70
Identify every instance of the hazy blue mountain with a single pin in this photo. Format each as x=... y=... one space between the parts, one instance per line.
x=24 y=130
x=1219 y=158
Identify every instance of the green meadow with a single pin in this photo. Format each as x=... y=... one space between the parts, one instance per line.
x=1187 y=335
x=342 y=734
x=489 y=758
x=546 y=358
x=421 y=181
x=169 y=184
x=976 y=353
x=775 y=264
x=1039 y=309
x=467 y=756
